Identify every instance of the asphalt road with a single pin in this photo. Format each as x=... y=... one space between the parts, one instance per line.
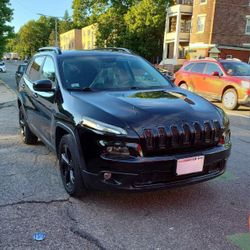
x=211 y=215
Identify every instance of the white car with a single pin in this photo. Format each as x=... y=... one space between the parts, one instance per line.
x=2 y=67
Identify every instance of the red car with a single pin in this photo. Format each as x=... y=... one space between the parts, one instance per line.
x=224 y=80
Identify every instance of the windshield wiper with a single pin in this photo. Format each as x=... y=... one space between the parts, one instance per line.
x=134 y=87
x=87 y=89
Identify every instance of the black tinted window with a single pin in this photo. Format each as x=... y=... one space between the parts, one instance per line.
x=211 y=67
x=21 y=68
x=48 y=71
x=34 y=72
x=188 y=67
x=198 y=67
x=110 y=72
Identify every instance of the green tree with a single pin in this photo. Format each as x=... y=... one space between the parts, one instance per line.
x=145 y=22
x=66 y=23
x=86 y=12
x=33 y=35
x=5 y=29
x=111 y=29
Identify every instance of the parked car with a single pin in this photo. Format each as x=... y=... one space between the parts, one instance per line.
x=116 y=123
x=224 y=80
x=2 y=67
x=169 y=75
x=19 y=73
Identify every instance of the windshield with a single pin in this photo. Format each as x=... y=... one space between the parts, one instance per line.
x=236 y=68
x=110 y=73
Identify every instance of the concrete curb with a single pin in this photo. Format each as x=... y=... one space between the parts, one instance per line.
x=7 y=86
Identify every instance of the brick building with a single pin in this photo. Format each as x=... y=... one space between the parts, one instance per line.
x=205 y=25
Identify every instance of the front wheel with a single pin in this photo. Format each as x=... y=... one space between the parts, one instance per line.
x=183 y=86
x=69 y=167
x=27 y=136
x=230 y=99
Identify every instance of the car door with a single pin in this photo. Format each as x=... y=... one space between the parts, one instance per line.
x=213 y=84
x=196 y=77
x=26 y=90
x=45 y=101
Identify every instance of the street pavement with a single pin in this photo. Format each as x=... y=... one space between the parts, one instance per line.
x=211 y=215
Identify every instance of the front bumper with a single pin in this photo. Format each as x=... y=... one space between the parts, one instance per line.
x=152 y=173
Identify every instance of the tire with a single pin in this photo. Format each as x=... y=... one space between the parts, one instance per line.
x=230 y=99
x=69 y=167
x=183 y=86
x=27 y=136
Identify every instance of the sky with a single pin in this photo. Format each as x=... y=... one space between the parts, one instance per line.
x=25 y=10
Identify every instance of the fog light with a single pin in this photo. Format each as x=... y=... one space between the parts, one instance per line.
x=118 y=150
x=225 y=138
x=107 y=176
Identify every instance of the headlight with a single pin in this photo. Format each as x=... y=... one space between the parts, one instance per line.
x=226 y=121
x=245 y=84
x=102 y=127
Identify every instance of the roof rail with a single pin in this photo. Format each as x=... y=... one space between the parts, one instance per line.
x=116 y=49
x=233 y=59
x=211 y=59
x=55 y=49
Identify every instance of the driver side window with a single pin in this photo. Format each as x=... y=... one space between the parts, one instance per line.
x=48 y=70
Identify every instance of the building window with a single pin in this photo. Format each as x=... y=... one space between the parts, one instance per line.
x=248 y=25
x=203 y=1
x=172 y=24
x=201 y=23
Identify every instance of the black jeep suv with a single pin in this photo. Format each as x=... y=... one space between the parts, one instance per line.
x=116 y=123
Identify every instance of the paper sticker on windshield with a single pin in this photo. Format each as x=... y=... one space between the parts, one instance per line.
x=75 y=85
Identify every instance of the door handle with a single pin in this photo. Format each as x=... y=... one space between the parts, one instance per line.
x=35 y=95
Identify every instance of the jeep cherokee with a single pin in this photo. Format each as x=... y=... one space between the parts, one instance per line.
x=116 y=123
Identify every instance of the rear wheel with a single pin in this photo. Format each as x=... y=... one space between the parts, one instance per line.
x=230 y=99
x=27 y=136
x=183 y=86
x=69 y=167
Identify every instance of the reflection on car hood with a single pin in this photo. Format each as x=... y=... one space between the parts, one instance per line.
x=151 y=107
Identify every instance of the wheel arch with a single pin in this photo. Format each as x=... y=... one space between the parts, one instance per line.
x=228 y=87
x=181 y=82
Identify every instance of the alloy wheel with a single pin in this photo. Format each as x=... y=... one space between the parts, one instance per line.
x=67 y=170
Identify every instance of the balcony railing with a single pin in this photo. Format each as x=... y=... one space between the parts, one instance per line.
x=186 y=2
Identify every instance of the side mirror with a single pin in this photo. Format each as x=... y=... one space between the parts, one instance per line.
x=43 y=85
x=215 y=73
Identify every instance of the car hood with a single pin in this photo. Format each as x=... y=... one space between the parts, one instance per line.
x=143 y=109
x=246 y=78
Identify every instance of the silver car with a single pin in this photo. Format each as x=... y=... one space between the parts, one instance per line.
x=2 y=67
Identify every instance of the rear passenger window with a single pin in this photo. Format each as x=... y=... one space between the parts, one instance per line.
x=188 y=67
x=198 y=68
x=34 y=71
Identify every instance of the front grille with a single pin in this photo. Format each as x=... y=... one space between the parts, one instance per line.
x=185 y=137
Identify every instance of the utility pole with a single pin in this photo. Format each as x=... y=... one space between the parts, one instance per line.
x=56 y=26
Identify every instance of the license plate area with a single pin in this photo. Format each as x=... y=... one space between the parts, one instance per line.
x=190 y=165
